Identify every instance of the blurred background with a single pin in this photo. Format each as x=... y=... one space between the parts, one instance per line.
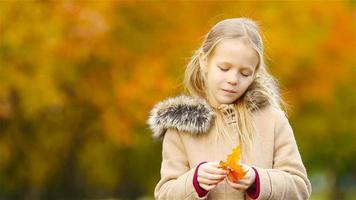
x=78 y=79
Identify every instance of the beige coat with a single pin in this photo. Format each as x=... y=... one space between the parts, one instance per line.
x=274 y=154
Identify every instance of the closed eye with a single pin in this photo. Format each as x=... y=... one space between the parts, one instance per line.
x=223 y=69
x=245 y=74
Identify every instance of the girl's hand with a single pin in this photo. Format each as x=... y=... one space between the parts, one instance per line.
x=244 y=183
x=209 y=175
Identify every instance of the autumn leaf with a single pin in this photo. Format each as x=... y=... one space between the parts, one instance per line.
x=235 y=170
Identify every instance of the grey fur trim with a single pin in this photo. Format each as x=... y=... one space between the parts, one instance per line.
x=183 y=113
x=195 y=115
x=256 y=99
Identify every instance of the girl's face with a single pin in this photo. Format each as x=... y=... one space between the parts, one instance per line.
x=230 y=70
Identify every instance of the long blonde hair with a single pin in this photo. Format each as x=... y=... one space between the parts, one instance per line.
x=195 y=83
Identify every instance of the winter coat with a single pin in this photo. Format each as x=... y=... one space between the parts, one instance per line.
x=186 y=125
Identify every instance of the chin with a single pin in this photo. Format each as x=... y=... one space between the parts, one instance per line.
x=226 y=100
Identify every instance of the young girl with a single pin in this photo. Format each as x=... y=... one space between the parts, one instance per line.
x=233 y=101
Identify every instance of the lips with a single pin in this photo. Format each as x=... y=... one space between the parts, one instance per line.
x=230 y=91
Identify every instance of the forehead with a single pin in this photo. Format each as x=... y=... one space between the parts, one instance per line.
x=235 y=51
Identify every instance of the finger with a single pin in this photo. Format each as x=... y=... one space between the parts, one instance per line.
x=215 y=164
x=212 y=169
x=247 y=169
x=234 y=184
x=204 y=186
x=207 y=181
x=237 y=186
x=207 y=187
x=242 y=181
x=211 y=176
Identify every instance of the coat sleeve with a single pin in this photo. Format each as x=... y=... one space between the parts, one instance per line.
x=288 y=178
x=176 y=176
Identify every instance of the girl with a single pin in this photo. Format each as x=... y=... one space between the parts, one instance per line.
x=233 y=102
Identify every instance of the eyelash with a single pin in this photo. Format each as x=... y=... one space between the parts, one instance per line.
x=223 y=69
x=226 y=69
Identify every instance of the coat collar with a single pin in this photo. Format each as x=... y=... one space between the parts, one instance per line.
x=192 y=114
x=184 y=113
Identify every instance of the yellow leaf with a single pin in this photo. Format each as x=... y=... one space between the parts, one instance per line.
x=235 y=170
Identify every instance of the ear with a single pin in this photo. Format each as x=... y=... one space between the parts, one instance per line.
x=203 y=61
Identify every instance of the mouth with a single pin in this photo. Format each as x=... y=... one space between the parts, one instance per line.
x=230 y=91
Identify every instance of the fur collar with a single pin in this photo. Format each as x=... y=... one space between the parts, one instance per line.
x=184 y=113
x=194 y=115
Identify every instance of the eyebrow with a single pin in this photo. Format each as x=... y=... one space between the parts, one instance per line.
x=229 y=64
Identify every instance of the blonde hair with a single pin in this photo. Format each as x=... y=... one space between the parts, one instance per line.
x=194 y=79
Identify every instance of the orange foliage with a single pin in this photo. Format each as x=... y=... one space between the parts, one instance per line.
x=235 y=170
x=70 y=70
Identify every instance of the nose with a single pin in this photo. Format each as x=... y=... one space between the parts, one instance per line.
x=232 y=80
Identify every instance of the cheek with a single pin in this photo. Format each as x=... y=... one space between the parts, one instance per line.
x=245 y=83
x=215 y=77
